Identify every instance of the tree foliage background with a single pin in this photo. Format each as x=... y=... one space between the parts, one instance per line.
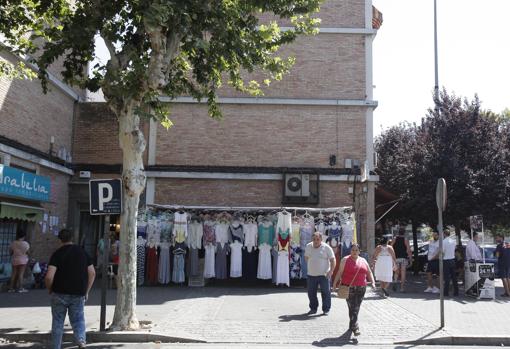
x=461 y=142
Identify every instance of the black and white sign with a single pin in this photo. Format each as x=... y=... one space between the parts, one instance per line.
x=105 y=196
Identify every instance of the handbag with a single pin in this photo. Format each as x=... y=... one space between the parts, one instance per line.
x=37 y=268
x=343 y=290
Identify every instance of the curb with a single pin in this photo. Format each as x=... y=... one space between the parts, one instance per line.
x=102 y=337
x=462 y=340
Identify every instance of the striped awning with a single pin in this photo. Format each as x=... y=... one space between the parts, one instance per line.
x=21 y=212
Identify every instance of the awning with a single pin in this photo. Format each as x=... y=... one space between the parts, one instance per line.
x=21 y=212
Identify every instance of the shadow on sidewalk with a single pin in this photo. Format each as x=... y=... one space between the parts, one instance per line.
x=344 y=339
x=298 y=317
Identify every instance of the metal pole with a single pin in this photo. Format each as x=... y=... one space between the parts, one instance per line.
x=436 y=85
x=104 y=271
x=441 y=276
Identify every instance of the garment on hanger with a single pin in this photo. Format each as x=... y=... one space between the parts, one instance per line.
x=283 y=227
x=295 y=262
x=140 y=261
x=250 y=263
x=236 y=259
x=180 y=228
x=164 y=272
x=221 y=261
x=250 y=236
x=179 y=252
x=266 y=233
x=307 y=230
x=152 y=265
x=264 y=270
x=236 y=232
x=209 y=265
x=222 y=234
x=195 y=234
x=209 y=235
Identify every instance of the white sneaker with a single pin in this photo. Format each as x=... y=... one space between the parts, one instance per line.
x=435 y=290
x=428 y=290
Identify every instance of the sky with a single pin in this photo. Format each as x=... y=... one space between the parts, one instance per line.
x=473 y=56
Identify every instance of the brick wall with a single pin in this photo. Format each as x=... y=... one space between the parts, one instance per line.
x=30 y=117
x=262 y=135
x=327 y=66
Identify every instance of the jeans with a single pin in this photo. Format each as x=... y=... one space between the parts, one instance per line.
x=356 y=294
x=450 y=274
x=60 y=304
x=313 y=283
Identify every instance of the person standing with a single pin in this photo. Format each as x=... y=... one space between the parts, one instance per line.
x=403 y=257
x=503 y=254
x=19 y=260
x=432 y=263
x=69 y=279
x=449 y=271
x=320 y=261
x=385 y=262
x=473 y=252
x=354 y=272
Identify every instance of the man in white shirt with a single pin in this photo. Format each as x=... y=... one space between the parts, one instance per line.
x=449 y=244
x=472 y=249
x=320 y=260
x=433 y=263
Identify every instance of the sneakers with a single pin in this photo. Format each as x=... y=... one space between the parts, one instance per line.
x=428 y=290
x=311 y=312
x=22 y=290
x=435 y=289
x=11 y=290
x=356 y=332
x=385 y=293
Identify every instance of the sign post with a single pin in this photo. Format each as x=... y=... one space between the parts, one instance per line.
x=105 y=199
x=441 y=205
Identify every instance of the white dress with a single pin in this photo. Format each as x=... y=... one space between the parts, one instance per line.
x=209 y=270
x=384 y=266
x=283 y=228
x=236 y=259
x=264 y=270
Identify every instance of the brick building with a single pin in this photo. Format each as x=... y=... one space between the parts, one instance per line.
x=315 y=125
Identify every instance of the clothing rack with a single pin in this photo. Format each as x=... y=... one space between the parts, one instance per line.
x=243 y=208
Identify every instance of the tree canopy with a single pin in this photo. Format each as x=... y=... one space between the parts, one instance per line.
x=460 y=142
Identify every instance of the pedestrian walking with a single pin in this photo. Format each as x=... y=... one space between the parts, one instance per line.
x=19 y=260
x=321 y=262
x=433 y=263
x=385 y=262
x=503 y=254
x=403 y=257
x=449 y=272
x=69 y=279
x=354 y=272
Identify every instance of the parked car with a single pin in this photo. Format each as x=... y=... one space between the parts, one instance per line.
x=423 y=251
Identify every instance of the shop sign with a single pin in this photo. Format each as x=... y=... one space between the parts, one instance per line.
x=105 y=196
x=26 y=185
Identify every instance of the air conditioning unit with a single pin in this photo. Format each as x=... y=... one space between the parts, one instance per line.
x=297 y=185
x=85 y=174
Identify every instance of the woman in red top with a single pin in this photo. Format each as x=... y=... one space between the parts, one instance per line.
x=354 y=272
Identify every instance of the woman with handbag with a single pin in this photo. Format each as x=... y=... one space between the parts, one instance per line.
x=353 y=273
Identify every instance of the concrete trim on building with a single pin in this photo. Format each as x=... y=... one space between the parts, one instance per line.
x=35 y=159
x=337 y=30
x=278 y=101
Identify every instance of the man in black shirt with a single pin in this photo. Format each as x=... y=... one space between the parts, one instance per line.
x=69 y=278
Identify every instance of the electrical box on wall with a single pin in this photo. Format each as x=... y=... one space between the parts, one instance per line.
x=84 y=174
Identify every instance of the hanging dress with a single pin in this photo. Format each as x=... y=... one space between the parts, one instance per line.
x=295 y=252
x=250 y=253
x=384 y=265
x=236 y=259
x=180 y=227
x=283 y=226
x=164 y=272
x=179 y=252
x=209 y=267
x=140 y=262
x=307 y=229
x=221 y=261
x=195 y=234
x=264 y=270
x=152 y=265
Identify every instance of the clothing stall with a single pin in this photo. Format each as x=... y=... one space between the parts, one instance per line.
x=191 y=245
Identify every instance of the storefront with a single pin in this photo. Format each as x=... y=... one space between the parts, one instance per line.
x=21 y=196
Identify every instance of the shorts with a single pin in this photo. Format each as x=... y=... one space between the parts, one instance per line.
x=402 y=262
x=504 y=272
x=433 y=266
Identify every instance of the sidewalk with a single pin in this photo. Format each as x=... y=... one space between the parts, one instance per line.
x=271 y=316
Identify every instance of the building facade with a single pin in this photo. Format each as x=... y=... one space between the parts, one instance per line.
x=313 y=128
